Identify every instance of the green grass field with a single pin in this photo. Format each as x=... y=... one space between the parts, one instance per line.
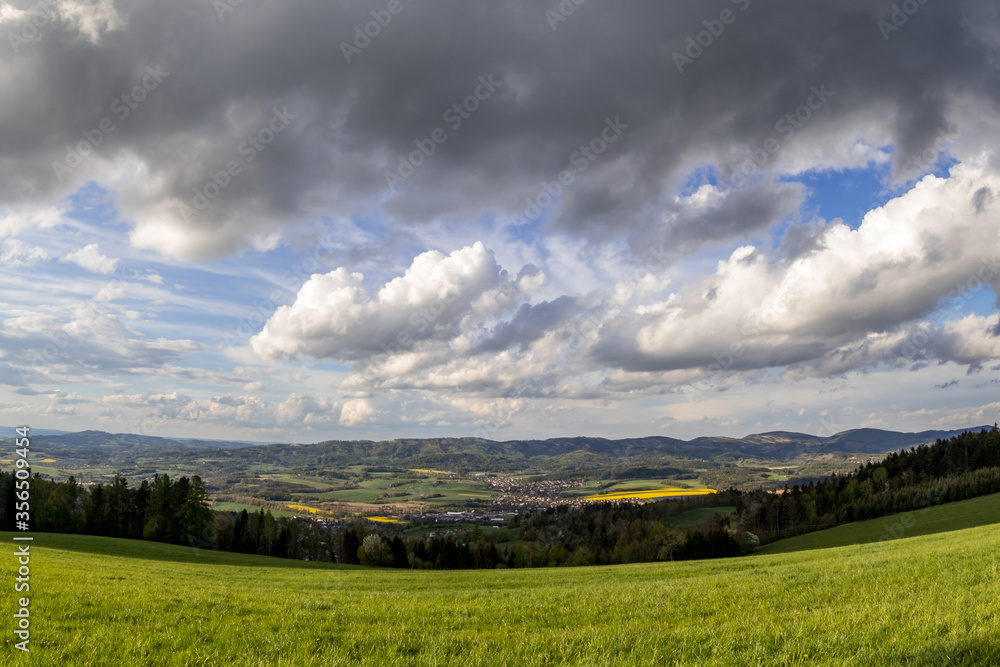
x=941 y=518
x=929 y=600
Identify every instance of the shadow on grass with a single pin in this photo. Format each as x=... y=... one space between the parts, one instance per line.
x=141 y=549
x=976 y=651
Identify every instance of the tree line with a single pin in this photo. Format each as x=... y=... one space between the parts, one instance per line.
x=175 y=511
x=163 y=510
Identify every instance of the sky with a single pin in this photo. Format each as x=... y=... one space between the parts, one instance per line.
x=301 y=221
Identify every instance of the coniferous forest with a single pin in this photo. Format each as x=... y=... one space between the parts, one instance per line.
x=178 y=511
x=966 y=466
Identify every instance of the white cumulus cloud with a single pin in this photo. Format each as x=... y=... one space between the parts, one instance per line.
x=90 y=258
x=14 y=254
x=335 y=316
x=355 y=412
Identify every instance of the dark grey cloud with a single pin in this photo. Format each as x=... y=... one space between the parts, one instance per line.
x=529 y=324
x=981 y=199
x=352 y=121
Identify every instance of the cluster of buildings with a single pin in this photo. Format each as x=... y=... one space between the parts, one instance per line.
x=519 y=494
x=470 y=516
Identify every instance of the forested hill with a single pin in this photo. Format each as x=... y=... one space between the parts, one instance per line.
x=966 y=466
x=464 y=454
x=478 y=454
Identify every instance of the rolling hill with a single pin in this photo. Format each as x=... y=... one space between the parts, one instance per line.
x=929 y=600
x=981 y=511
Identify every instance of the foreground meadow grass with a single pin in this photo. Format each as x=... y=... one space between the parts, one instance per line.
x=923 y=601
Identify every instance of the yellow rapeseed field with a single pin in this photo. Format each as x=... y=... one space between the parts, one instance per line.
x=659 y=493
x=312 y=510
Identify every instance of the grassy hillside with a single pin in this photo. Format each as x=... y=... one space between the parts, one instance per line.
x=941 y=518
x=925 y=601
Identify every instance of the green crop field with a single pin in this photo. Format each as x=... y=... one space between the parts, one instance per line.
x=314 y=482
x=593 y=487
x=929 y=600
x=641 y=484
x=951 y=516
x=226 y=506
x=370 y=490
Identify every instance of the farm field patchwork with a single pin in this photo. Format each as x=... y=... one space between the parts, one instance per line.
x=929 y=600
x=389 y=488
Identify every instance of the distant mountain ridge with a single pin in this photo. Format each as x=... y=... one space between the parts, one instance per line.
x=476 y=453
x=102 y=439
x=775 y=444
x=4 y=430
